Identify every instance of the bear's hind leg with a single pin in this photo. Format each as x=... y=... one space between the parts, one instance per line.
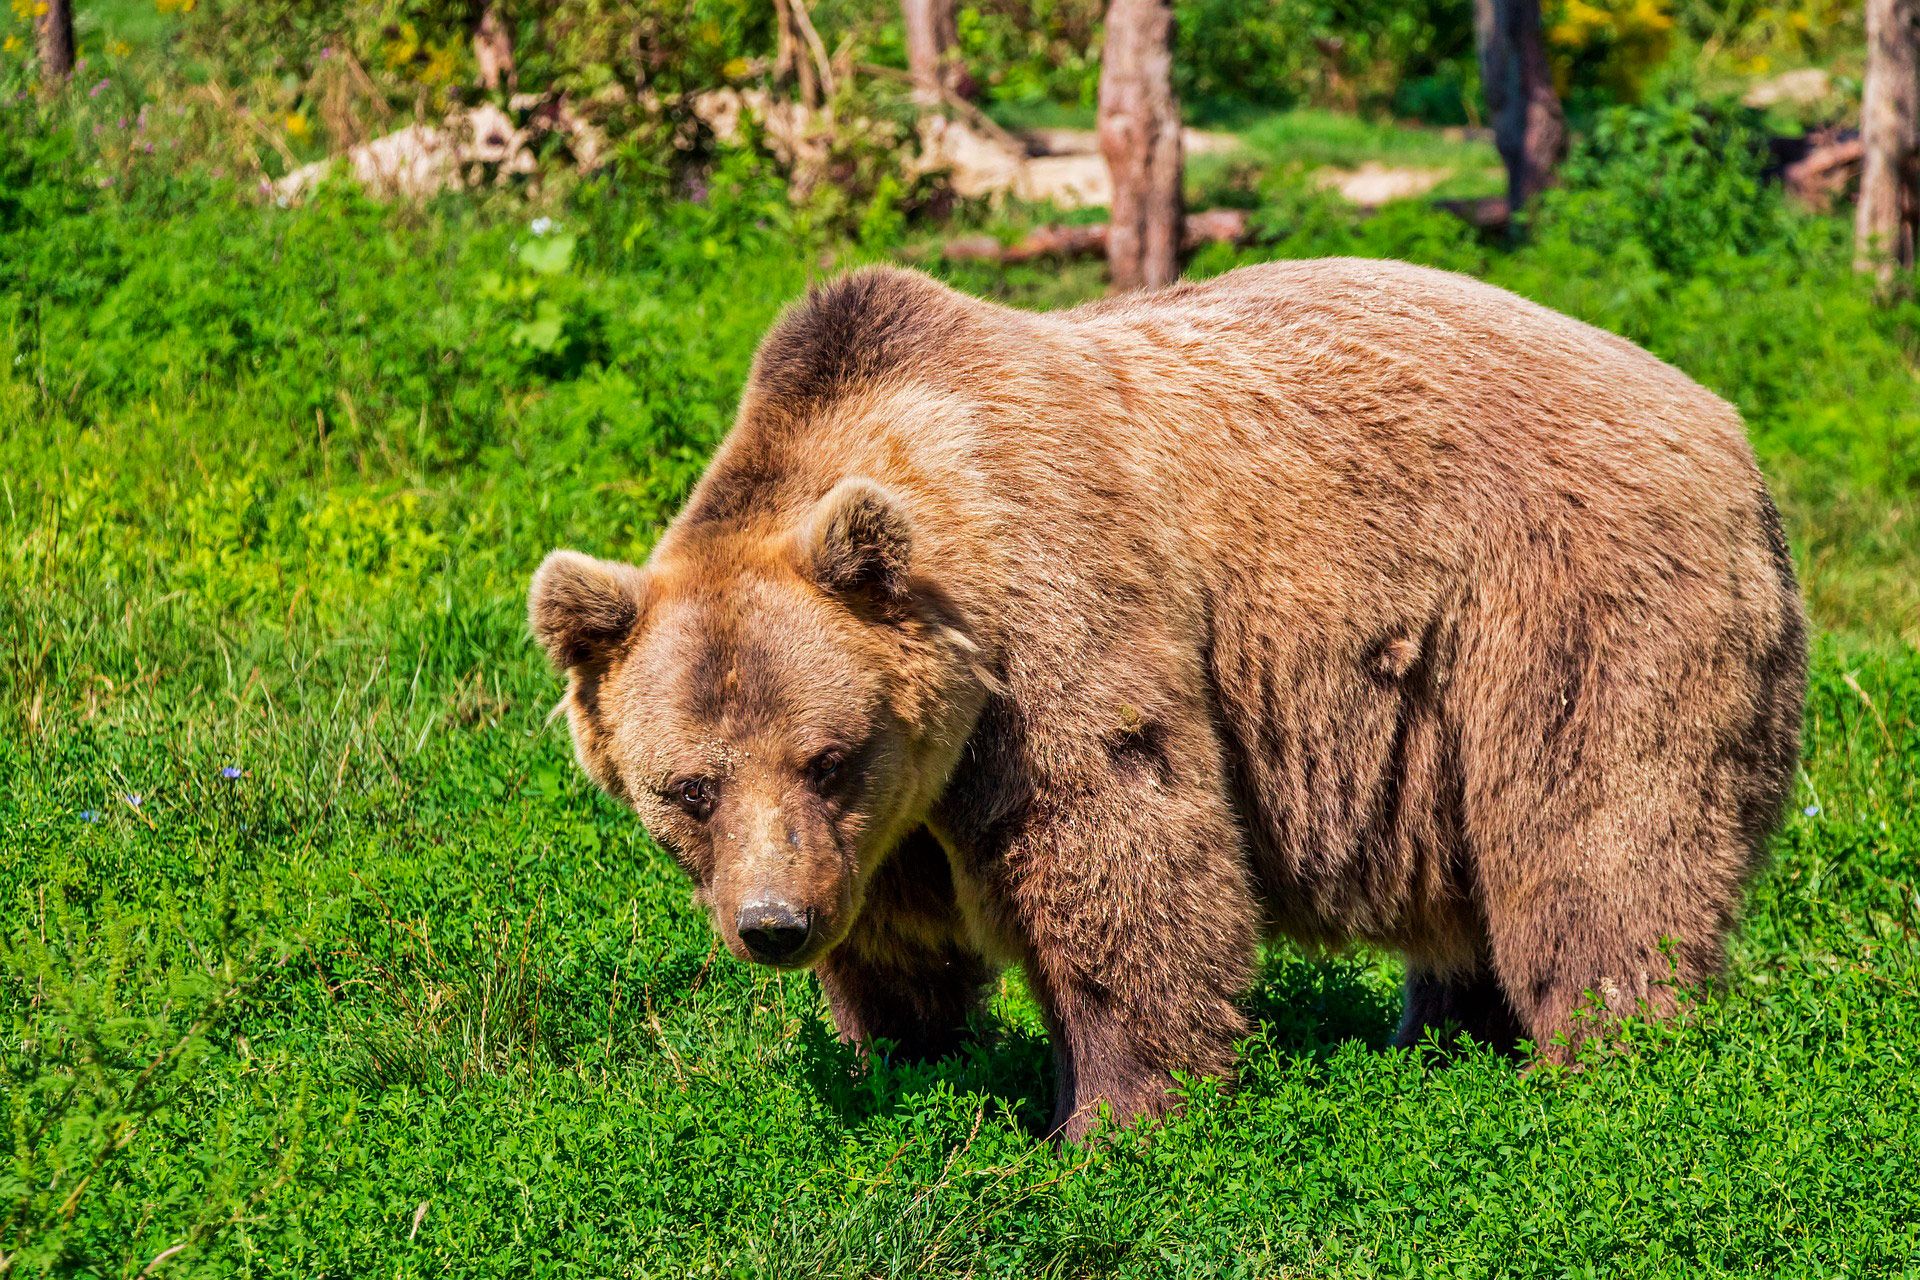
x=1449 y=1004
x=1620 y=909
x=905 y=974
x=1624 y=757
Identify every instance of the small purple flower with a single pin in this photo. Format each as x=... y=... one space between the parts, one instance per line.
x=89 y=815
x=1811 y=811
x=95 y=91
x=230 y=772
x=133 y=798
x=326 y=51
x=123 y=122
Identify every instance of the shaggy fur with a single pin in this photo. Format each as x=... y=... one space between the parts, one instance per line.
x=1341 y=599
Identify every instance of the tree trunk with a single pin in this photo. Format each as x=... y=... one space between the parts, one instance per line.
x=53 y=31
x=933 y=52
x=1528 y=126
x=800 y=58
x=493 y=49
x=1140 y=138
x=1885 y=225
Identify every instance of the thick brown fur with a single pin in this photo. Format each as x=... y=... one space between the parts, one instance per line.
x=1343 y=600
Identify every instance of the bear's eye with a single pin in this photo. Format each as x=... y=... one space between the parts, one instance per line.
x=695 y=795
x=824 y=770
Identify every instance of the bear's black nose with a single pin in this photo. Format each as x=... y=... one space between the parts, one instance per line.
x=773 y=931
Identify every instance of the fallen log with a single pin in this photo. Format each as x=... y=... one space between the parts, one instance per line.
x=1824 y=173
x=1209 y=226
x=1488 y=213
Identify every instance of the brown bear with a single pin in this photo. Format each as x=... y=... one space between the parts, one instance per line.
x=1340 y=600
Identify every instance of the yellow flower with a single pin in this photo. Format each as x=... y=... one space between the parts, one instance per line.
x=442 y=61
x=10 y=43
x=400 y=50
x=119 y=48
x=1651 y=16
x=297 y=126
x=23 y=9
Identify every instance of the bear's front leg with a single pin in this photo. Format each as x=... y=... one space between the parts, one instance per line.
x=904 y=973
x=1140 y=934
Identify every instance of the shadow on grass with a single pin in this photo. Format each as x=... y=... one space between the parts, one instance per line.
x=1007 y=1065
x=1299 y=1006
x=1314 y=1005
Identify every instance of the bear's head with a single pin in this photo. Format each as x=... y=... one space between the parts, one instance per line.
x=779 y=706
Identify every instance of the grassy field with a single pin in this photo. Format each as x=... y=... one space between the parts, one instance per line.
x=319 y=957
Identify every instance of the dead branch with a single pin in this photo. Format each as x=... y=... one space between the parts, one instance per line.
x=951 y=99
x=1820 y=178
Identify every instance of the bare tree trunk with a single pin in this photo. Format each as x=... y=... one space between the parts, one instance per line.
x=1528 y=126
x=1140 y=137
x=800 y=58
x=933 y=52
x=1885 y=225
x=53 y=31
x=493 y=49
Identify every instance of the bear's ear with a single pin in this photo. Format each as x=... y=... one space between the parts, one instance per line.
x=579 y=607
x=858 y=540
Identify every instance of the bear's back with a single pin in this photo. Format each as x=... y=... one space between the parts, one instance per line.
x=1413 y=354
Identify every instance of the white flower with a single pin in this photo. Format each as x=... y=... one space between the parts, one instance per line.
x=540 y=226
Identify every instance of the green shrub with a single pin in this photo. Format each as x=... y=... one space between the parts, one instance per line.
x=1349 y=54
x=1678 y=178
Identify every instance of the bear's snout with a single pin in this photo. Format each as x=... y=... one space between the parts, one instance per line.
x=774 y=931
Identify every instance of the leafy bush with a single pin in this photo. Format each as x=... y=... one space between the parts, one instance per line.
x=1348 y=54
x=1028 y=53
x=1679 y=178
x=410 y=47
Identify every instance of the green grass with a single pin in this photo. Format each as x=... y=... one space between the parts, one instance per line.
x=407 y=997
x=1308 y=138
x=1314 y=137
x=139 y=23
x=1044 y=114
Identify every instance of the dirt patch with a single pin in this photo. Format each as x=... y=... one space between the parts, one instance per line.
x=1372 y=185
x=1061 y=166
